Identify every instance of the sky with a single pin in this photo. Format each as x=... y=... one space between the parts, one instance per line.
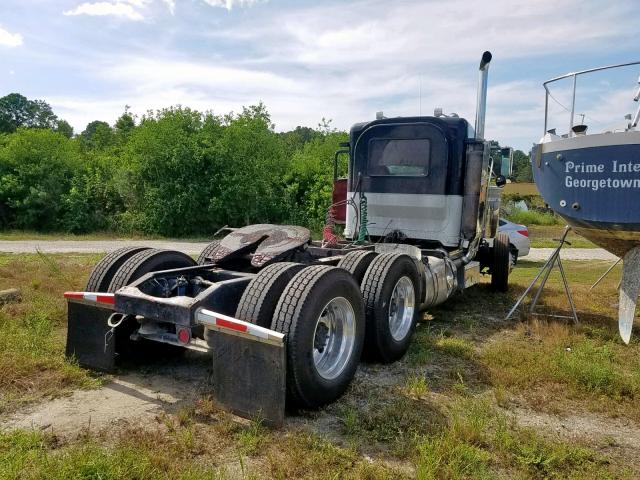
x=305 y=60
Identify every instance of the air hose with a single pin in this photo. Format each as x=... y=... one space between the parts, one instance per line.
x=363 y=233
x=329 y=239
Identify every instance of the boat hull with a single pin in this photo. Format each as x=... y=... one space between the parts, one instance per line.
x=593 y=182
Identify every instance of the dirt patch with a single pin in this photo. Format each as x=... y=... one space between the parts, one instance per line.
x=594 y=429
x=134 y=397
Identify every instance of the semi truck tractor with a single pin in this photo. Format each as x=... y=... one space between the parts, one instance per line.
x=286 y=318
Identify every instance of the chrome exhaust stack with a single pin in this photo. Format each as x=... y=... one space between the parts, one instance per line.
x=481 y=105
x=476 y=178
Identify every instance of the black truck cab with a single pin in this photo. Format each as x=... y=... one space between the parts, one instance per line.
x=407 y=178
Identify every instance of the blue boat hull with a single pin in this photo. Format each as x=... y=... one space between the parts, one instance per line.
x=594 y=184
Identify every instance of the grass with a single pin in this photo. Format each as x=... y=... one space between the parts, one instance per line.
x=156 y=453
x=30 y=455
x=588 y=367
x=548 y=237
x=32 y=341
x=416 y=386
x=520 y=189
x=471 y=439
x=479 y=438
x=533 y=217
x=17 y=235
x=556 y=364
x=449 y=410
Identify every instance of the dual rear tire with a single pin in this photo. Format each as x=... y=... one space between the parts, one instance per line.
x=125 y=265
x=391 y=293
x=390 y=286
x=105 y=269
x=321 y=312
x=329 y=319
x=147 y=261
x=122 y=267
x=208 y=251
x=357 y=263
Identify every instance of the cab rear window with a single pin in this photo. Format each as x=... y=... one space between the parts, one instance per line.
x=399 y=157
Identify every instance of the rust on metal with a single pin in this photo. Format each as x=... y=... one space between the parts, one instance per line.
x=268 y=242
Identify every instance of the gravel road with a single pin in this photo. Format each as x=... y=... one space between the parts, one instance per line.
x=94 y=246
x=542 y=254
x=194 y=248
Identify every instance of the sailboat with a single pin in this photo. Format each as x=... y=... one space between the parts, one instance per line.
x=592 y=180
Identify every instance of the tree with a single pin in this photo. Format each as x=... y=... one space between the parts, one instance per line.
x=325 y=127
x=296 y=139
x=174 y=172
x=64 y=128
x=249 y=162
x=36 y=170
x=18 y=111
x=97 y=134
x=522 y=167
x=310 y=178
x=190 y=172
x=125 y=124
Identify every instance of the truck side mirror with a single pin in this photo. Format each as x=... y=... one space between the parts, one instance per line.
x=501 y=181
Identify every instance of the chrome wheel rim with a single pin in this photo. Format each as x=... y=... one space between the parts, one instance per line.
x=402 y=306
x=334 y=338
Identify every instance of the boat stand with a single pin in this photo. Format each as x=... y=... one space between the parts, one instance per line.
x=602 y=277
x=545 y=271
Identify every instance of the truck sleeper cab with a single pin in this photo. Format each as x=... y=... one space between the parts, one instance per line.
x=412 y=172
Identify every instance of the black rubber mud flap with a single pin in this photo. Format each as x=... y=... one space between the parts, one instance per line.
x=89 y=341
x=249 y=378
x=249 y=369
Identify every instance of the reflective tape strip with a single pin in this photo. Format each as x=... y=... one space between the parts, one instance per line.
x=92 y=297
x=213 y=319
x=221 y=322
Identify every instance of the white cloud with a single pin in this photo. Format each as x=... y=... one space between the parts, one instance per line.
x=171 y=4
x=8 y=39
x=229 y=4
x=136 y=9
x=304 y=65
x=431 y=31
x=118 y=9
x=373 y=57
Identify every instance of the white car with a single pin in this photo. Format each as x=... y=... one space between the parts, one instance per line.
x=518 y=237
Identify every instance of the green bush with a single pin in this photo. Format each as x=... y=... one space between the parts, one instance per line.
x=37 y=167
x=192 y=173
x=309 y=184
x=167 y=189
x=178 y=172
x=533 y=217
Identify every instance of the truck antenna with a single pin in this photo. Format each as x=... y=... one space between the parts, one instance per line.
x=420 y=95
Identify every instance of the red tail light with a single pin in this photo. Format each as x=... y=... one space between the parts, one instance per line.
x=184 y=335
x=524 y=232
